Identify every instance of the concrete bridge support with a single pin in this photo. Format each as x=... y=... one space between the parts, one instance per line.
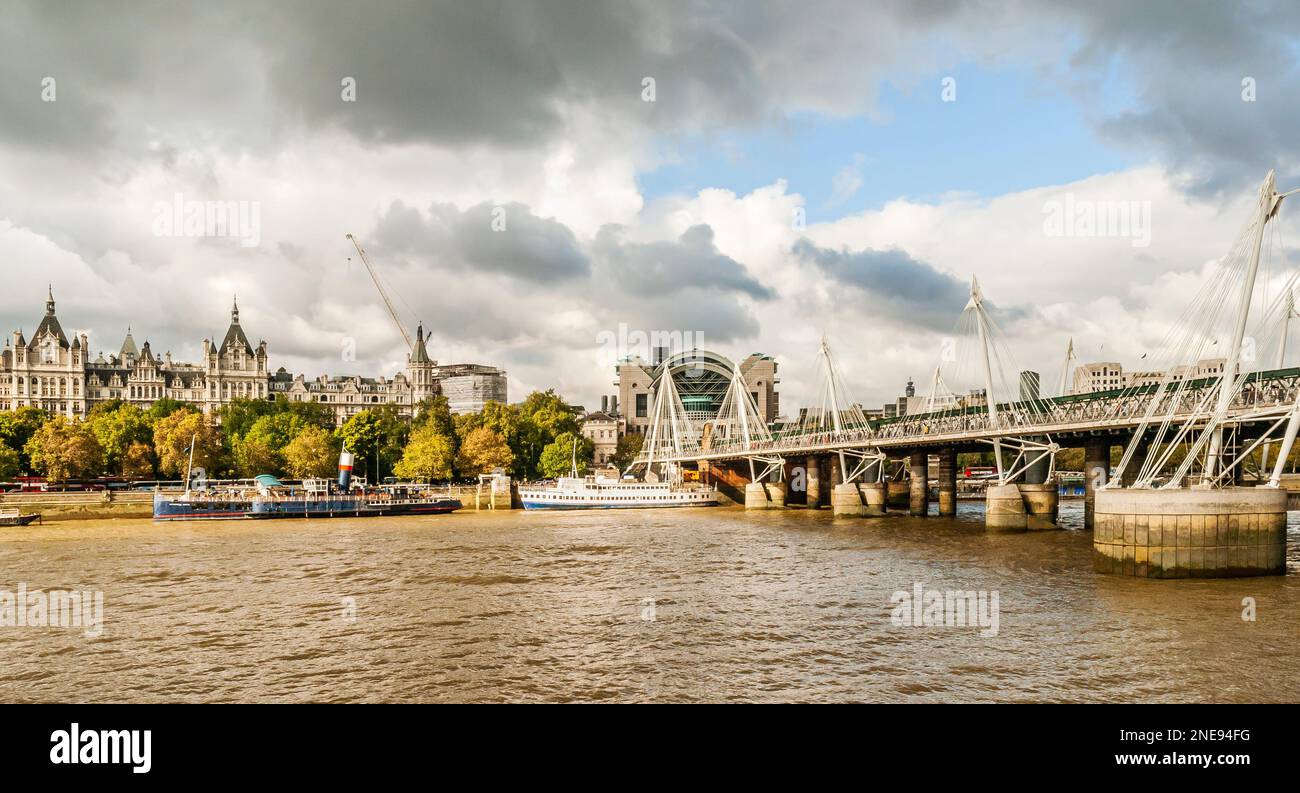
x=813 y=480
x=1191 y=533
x=756 y=496
x=947 y=483
x=1042 y=502
x=898 y=494
x=775 y=494
x=918 y=469
x=1004 y=509
x=873 y=498
x=846 y=500
x=1096 y=468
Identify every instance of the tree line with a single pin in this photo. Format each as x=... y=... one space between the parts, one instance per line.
x=532 y=439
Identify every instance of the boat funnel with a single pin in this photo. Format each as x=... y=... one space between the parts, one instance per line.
x=345 y=468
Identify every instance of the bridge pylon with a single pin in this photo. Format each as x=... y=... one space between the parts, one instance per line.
x=1188 y=525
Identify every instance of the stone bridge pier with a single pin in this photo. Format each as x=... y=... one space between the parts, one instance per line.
x=948 y=482
x=1096 y=470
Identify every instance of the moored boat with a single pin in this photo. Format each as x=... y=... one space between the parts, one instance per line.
x=598 y=492
x=13 y=517
x=265 y=496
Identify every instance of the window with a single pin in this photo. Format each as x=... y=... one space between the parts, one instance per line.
x=641 y=409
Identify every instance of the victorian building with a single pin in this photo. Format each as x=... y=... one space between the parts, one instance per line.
x=53 y=372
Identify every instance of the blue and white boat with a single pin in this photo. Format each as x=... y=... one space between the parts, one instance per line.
x=320 y=498
x=212 y=502
x=267 y=497
x=598 y=492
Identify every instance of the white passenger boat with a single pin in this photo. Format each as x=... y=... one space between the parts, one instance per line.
x=599 y=492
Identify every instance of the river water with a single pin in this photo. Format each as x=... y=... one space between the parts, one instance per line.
x=649 y=605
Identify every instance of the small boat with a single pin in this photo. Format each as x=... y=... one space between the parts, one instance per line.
x=12 y=517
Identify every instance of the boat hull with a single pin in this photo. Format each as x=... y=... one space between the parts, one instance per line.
x=180 y=509
x=347 y=508
x=19 y=520
x=537 y=505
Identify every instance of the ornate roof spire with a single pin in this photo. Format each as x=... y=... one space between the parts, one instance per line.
x=420 y=354
x=49 y=302
x=234 y=309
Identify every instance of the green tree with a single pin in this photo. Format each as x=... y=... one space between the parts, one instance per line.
x=165 y=407
x=253 y=455
x=63 y=450
x=137 y=461
x=238 y=415
x=557 y=458
x=543 y=417
x=376 y=433
x=9 y=462
x=427 y=456
x=481 y=451
x=17 y=427
x=171 y=441
x=117 y=425
x=629 y=446
x=312 y=453
x=276 y=430
x=435 y=410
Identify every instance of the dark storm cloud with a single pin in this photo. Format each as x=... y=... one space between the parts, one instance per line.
x=896 y=285
x=680 y=284
x=506 y=240
x=1185 y=64
x=692 y=262
x=512 y=74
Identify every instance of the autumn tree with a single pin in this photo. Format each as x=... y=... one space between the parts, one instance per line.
x=313 y=453
x=481 y=451
x=137 y=461
x=63 y=450
x=428 y=455
x=171 y=442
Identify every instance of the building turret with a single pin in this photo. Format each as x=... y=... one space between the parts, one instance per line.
x=419 y=368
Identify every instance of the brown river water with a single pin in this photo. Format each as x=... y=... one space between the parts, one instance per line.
x=645 y=605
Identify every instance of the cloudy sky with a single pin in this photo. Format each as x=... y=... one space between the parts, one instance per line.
x=535 y=178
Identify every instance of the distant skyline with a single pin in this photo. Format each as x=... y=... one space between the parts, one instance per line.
x=837 y=168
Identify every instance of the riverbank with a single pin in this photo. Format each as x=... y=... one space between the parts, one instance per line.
x=111 y=504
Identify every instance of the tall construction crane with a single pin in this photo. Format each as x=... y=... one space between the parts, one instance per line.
x=374 y=276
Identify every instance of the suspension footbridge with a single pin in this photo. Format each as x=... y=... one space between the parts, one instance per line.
x=1192 y=435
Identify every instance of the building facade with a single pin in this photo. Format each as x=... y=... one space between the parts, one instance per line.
x=54 y=372
x=1110 y=375
x=701 y=378
x=604 y=431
